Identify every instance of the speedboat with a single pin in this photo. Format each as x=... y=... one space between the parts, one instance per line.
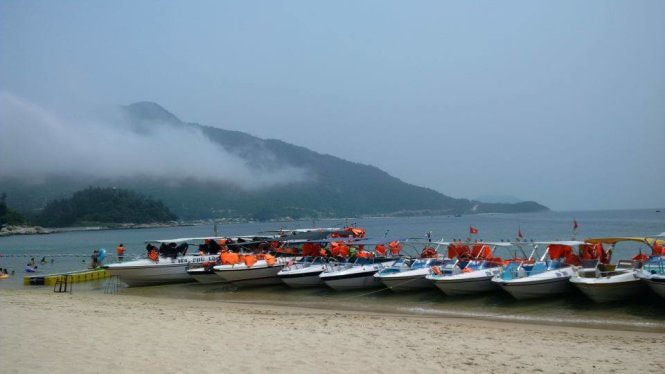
x=303 y=272
x=604 y=282
x=251 y=270
x=653 y=274
x=410 y=279
x=168 y=266
x=544 y=278
x=205 y=272
x=408 y=274
x=355 y=274
x=467 y=270
x=317 y=233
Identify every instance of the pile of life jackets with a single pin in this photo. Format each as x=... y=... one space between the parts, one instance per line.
x=339 y=249
x=557 y=251
x=311 y=249
x=232 y=258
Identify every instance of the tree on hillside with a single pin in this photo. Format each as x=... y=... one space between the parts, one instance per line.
x=9 y=216
x=96 y=205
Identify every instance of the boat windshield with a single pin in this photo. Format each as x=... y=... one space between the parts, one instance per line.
x=476 y=265
x=655 y=265
x=363 y=261
x=588 y=264
x=402 y=261
x=537 y=268
x=449 y=264
x=510 y=271
x=555 y=264
x=317 y=260
x=421 y=263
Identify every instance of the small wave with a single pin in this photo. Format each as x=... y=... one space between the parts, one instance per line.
x=549 y=320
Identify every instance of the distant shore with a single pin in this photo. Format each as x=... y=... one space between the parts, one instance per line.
x=11 y=230
x=124 y=333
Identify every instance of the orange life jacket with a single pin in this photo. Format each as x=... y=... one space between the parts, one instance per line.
x=153 y=255
x=395 y=248
x=270 y=260
x=250 y=260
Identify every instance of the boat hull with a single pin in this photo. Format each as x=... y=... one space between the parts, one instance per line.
x=657 y=285
x=412 y=283
x=151 y=275
x=205 y=276
x=344 y=281
x=608 y=289
x=302 y=278
x=260 y=274
x=465 y=284
x=536 y=288
x=409 y=280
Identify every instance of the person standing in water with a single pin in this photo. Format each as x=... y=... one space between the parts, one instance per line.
x=120 y=250
x=94 y=259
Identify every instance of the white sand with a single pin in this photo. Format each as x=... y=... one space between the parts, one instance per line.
x=95 y=333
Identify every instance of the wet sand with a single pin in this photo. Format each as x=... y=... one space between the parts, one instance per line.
x=92 y=332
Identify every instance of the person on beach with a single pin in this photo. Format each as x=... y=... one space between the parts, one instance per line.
x=120 y=250
x=94 y=259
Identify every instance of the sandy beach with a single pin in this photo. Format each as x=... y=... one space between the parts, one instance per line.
x=97 y=333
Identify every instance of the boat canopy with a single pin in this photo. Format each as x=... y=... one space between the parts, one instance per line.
x=570 y=243
x=613 y=241
x=248 y=239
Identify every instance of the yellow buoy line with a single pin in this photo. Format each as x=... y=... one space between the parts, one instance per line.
x=70 y=277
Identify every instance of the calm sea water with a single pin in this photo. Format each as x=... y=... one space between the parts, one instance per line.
x=72 y=250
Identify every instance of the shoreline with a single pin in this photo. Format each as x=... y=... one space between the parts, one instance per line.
x=160 y=333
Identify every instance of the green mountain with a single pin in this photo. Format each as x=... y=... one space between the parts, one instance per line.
x=334 y=187
x=103 y=206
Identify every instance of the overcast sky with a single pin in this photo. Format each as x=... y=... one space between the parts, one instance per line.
x=559 y=102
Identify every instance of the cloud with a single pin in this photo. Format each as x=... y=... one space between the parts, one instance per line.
x=35 y=142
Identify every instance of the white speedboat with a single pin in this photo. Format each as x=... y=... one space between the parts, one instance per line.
x=354 y=275
x=407 y=274
x=261 y=273
x=147 y=272
x=166 y=264
x=605 y=282
x=304 y=272
x=653 y=274
x=542 y=278
x=455 y=277
x=470 y=275
x=316 y=233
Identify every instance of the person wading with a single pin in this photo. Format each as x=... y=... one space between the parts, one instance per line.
x=120 y=250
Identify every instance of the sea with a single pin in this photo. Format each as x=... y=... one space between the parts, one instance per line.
x=70 y=251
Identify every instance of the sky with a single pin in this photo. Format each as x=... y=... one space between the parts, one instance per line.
x=558 y=102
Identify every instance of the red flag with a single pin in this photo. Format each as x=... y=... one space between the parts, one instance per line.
x=473 y=230
x=574 y=224
x=519 y=233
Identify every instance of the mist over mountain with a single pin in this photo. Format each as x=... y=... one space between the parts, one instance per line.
x=200 y=171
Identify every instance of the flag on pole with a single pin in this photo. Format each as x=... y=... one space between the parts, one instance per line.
x=519 y=234
x=473 y=230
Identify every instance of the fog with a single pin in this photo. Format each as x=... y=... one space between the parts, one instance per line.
x=35 y=142
x=561 y=102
